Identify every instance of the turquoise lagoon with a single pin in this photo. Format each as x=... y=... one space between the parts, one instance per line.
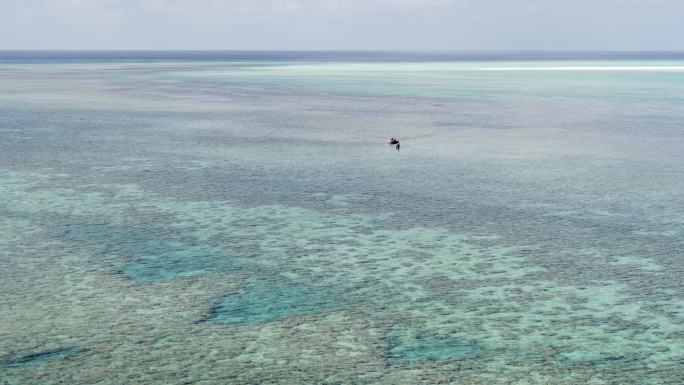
x=237 y=218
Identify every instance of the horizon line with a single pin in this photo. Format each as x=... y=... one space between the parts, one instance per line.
x=352 y=50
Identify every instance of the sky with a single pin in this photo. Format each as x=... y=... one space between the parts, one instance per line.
x=656 y=25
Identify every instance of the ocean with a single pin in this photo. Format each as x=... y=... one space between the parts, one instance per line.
x=239 y=218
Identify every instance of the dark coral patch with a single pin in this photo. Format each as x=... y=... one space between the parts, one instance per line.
x=40 y=357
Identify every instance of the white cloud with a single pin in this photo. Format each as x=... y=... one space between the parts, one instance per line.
x=342 y=24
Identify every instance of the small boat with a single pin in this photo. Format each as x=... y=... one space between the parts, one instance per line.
x=393 y=141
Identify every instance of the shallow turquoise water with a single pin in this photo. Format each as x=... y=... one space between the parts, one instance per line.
x=244 y=222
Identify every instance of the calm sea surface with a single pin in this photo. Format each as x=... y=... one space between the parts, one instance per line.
x=237 y=218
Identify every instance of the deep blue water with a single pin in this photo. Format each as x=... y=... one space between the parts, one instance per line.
x=315 y=56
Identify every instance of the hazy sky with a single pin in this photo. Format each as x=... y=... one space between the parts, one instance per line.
x=343 y=24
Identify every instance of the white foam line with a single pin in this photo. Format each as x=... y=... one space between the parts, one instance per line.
x=625 y=69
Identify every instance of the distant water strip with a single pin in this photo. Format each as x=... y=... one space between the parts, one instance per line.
x=588 y=68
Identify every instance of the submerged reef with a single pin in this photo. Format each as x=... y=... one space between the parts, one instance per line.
x=241 y=223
